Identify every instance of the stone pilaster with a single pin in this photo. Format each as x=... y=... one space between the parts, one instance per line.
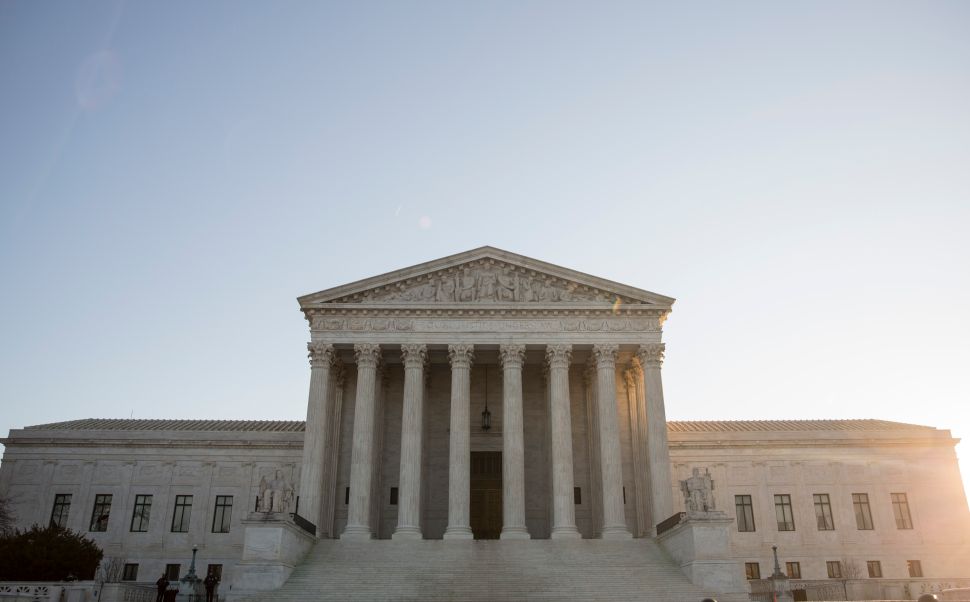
x=563 y=508
x=362 y=458
x=316 y=439
x=513 y=444
x=412 y=421
x=459 y=456
x=614 y=522
x=662 y=503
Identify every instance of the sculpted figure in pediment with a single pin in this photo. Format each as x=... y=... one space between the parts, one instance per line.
x=467 y=286
x=508 y=286
x=487 y=286
x=446 y=290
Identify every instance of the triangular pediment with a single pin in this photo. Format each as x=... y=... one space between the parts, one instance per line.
x=484 y=276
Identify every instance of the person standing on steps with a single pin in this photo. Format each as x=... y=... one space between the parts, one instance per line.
x=210 y=583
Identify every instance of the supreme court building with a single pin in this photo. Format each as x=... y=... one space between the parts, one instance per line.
x=491 y=396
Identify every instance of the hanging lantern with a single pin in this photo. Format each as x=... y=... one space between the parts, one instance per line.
x=486 y=415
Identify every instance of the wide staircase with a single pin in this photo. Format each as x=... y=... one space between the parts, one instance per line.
x=488 y=570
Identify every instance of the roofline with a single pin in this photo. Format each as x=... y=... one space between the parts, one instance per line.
x=312 y=299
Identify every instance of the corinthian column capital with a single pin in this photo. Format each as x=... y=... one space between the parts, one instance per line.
x=512 y=355
x=651 y=354
x=367 y=354
x=414 y=356
x=320 y=354
x=605 y=356
x=461 y=355
x=559 y=356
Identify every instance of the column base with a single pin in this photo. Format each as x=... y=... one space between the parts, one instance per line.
x=515 y=533
x=357 y=533
x=458 y=533
x=407 y=533
x=615 y=533
x=565 y=533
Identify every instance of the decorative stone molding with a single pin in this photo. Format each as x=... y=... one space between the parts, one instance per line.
x=558 y=356
x=651 y=355
x=511 y=355
x=320 y=354
x=605 y=355
x=367 y=354
x=414 y=356
x=489 y=322
x=461 y=355
x=485 y=281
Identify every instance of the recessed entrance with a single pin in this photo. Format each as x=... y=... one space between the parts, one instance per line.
x=486 y=495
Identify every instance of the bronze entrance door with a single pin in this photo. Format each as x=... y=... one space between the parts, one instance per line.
x=486 y=495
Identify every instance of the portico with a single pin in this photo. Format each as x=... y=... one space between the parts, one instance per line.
x=402 y=365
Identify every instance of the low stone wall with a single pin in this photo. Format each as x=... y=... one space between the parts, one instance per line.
x=46 y=591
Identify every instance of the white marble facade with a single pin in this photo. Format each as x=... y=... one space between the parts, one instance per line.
x=399 y=369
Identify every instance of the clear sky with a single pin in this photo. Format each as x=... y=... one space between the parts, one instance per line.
x=174 y=175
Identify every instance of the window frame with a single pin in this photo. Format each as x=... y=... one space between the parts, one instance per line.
x=900 y=502
x=797 y=566
x=752 y=570
x=833 y=568
x=874 y=564
x=61 y=510
x=862 y=510
x=744 y=513
x=222 y=511
x=143 y=502
x=129 y=572
x=823 y=512
x=914 y=568
x=101 y=513
x=173 y=571
x=784 y=505
x=183 y=518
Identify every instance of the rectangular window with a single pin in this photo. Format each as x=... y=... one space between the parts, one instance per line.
x=823 y=512
x=102 y=509
x=223 y=514
x=794 y=570
x=783 y=513
x=130 y=572
x=752 y=570
x=875 y=568
x=346 y=496
x=215 y=569
x=745 y=513
x=141 y=513
x=915 y=568
x=172 y=571
x=62 y=507
x=394 y=496
x=901 y=511
x=834 y=568
x=863 y=516
x=182 y=514
x=577 y=495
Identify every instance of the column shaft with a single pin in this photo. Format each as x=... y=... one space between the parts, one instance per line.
x=563 y=507
x=362 y=458
x=459 y=457
x=412 y=422
x=651 y=358
x=513 y=444
x=317 y=435
x=614 y=521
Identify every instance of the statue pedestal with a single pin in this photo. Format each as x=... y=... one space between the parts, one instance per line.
x=272 y=546
x=700 y=545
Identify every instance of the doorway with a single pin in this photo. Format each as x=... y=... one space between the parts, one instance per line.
x=486 y=495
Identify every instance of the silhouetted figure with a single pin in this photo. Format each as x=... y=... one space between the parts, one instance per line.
x=161 y=585
x=210 y=582
x=927 y=598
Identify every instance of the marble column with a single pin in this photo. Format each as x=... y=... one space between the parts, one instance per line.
x=563 y=507
x=513 y=444
x=317 y=435
x=662 y=503
x=459 y=456
x=362 y=456
x=595 y=494
x=633 y=379
x=412 y=421
x=328 y=498
x=614 y=521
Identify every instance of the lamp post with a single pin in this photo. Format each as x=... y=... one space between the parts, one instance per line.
x=189 y=585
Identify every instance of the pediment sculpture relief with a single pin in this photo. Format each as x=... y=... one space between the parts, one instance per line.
x=484 y=284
